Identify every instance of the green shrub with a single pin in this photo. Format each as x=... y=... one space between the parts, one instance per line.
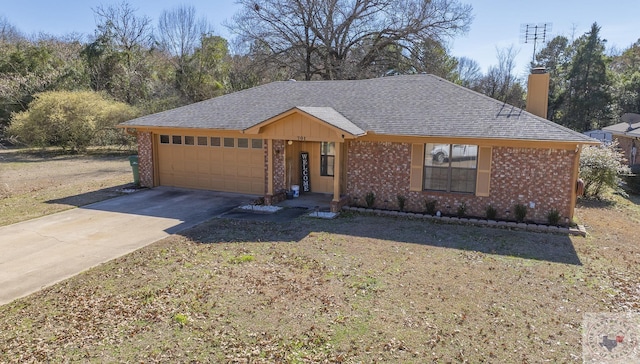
x=462 y=209
x=401 y=202
x=491 y=213
x=370 y=199
x=553 y=217
x=71 y=120
x=430 y=206
x=521 y=212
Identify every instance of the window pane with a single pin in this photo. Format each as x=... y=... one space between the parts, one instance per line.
x=327 y=158
x=229 y=142
x=436 y=154
x=176 y=139
x=243 y=143
x=256 y=143
x=164 y=139
x=327 y=163
x=450 y=167
x=463 y=180
x=436 y=178
x=202 y=140
x=327 y=148
x=189 y=140
x=215 y=141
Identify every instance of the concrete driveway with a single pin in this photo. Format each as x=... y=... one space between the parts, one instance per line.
x=41 y=252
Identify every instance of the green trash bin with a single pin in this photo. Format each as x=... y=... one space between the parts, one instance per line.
x=133 y=161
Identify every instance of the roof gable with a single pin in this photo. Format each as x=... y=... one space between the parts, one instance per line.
x=325 y=116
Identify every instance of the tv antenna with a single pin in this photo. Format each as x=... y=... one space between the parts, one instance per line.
x=534 y=33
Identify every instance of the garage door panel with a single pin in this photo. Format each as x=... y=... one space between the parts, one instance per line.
x=230 y=169
x=244 y=171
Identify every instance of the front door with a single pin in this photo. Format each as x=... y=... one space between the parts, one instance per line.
x=320 y=165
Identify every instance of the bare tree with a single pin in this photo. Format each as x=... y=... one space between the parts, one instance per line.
x=117 y=59
x=179 y=31
x=500 y=82
x=338 y=39
x=8 y=32
x=469 y=73
x=125 y=29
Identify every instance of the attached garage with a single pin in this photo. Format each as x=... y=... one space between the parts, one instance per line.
x=211 y=162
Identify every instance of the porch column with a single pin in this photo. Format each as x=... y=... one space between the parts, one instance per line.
x=269 y=166
x=337 y=163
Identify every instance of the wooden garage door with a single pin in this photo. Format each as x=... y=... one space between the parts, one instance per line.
x=211 y=163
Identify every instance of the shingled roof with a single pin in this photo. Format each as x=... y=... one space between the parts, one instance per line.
x=414 y=105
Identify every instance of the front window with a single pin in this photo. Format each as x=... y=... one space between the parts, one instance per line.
x=450 y=167
x=327 y=158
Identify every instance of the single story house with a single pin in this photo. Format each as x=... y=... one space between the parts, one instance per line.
x=416 y=136
x=627 y=133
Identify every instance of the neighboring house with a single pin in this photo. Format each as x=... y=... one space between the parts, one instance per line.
x=377 y=135
x=627 y=133
x=601 y=135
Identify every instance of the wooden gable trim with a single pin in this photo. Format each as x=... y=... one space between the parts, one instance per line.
x=260 y=127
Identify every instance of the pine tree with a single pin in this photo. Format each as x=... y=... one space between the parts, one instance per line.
x=587 y=99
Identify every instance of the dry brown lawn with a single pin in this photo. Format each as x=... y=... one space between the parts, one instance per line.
x=357 y=289
x=35 y=183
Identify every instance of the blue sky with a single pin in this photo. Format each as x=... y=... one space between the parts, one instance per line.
x=496 y=22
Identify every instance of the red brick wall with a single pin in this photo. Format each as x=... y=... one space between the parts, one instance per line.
x=518 y=175
x=145 y=158
x=278 y=165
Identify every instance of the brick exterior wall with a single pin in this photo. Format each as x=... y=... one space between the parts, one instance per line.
x=278 y=166
x=518 y=176
x=625 y=144
x=278 y=172
x=145 y=158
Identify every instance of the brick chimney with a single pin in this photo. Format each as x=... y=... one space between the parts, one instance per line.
x=538 y=92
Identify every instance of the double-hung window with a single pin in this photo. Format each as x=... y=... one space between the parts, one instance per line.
x=450 y=167
x=327 y=158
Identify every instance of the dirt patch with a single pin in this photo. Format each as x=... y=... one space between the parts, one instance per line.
x=34 y=184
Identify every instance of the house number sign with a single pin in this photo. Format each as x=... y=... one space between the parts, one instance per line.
x=304 y=171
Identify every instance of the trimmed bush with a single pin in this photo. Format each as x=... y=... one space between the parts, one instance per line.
x=430 y=206
x=553 y=217
x=370 y=199
x=491 y=213
x=520 y=212
x=401 y=202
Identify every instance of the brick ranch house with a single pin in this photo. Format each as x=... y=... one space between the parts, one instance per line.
x=416 y=136
x=627 y=133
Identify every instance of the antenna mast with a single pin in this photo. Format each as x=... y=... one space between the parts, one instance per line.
x=534 y=33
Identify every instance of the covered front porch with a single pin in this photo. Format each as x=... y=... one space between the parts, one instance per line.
x=305 y=150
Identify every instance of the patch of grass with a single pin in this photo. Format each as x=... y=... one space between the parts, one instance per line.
x=244 y=258
x=180 y=319
x=35 y=183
